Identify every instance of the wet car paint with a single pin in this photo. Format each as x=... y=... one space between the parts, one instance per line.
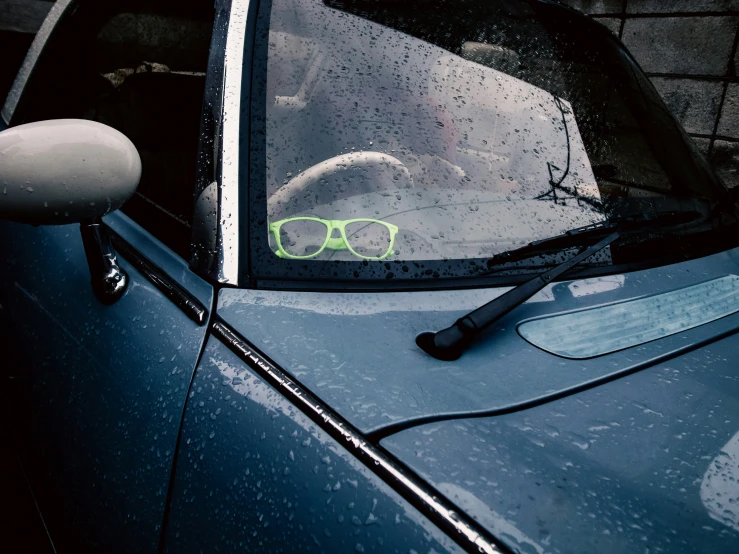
x=649 y=462
x=106 y=384
x=356 y=351
x=255 y=473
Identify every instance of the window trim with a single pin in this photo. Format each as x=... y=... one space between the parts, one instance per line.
x=206 y=208
x=10 y=112
x=228 y=216
x=218 y=245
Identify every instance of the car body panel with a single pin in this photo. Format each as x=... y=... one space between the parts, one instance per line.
x=356 y=351
x=649 y=462
x=255 y=473
x=169 y=262
x=107 y=389
x=106 y=384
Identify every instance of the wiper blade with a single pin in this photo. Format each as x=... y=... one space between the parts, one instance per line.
x=449 y=344
x=589 y=233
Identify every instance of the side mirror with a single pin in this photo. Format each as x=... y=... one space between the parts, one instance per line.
x=65 y=171
x=71 y=171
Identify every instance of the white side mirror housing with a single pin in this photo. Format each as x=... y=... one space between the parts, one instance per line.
x=65 y=171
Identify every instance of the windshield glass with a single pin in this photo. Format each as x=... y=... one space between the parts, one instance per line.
x=416 y=138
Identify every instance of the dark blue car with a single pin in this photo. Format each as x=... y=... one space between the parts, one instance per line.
x=409 y=276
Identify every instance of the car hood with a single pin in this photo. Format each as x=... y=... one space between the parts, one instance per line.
x=357 y=352
x=645 y=463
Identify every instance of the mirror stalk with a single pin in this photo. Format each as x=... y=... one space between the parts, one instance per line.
x=108 y=279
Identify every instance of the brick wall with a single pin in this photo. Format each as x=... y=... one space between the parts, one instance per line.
x=689 y=50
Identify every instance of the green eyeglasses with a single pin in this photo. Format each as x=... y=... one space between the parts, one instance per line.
x=301 y=238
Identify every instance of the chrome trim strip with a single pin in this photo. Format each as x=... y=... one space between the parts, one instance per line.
x=37 y=46
x=228 y=224
x=461 y=528
x=191 y=306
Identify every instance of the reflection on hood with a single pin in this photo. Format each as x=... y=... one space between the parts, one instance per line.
x=720 y=485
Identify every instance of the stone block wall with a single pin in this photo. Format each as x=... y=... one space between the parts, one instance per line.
x=688 y=48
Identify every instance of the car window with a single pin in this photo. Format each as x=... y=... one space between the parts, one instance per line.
x=140 y=68
x=417 y=137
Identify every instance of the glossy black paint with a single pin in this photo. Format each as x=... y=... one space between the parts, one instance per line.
x=185 y=301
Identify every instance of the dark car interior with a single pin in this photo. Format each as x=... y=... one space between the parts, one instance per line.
x=139 y=67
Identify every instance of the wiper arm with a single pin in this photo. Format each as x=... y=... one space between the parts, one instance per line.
x=448 y=344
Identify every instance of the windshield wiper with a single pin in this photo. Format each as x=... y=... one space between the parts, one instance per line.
x=449 y=344
x=588 y=234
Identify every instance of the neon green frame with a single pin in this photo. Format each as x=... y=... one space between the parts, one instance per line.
x=332 y=244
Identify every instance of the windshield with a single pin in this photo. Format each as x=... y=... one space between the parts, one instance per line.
x=416 y=138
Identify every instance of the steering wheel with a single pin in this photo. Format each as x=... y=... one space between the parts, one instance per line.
x=354 y=160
